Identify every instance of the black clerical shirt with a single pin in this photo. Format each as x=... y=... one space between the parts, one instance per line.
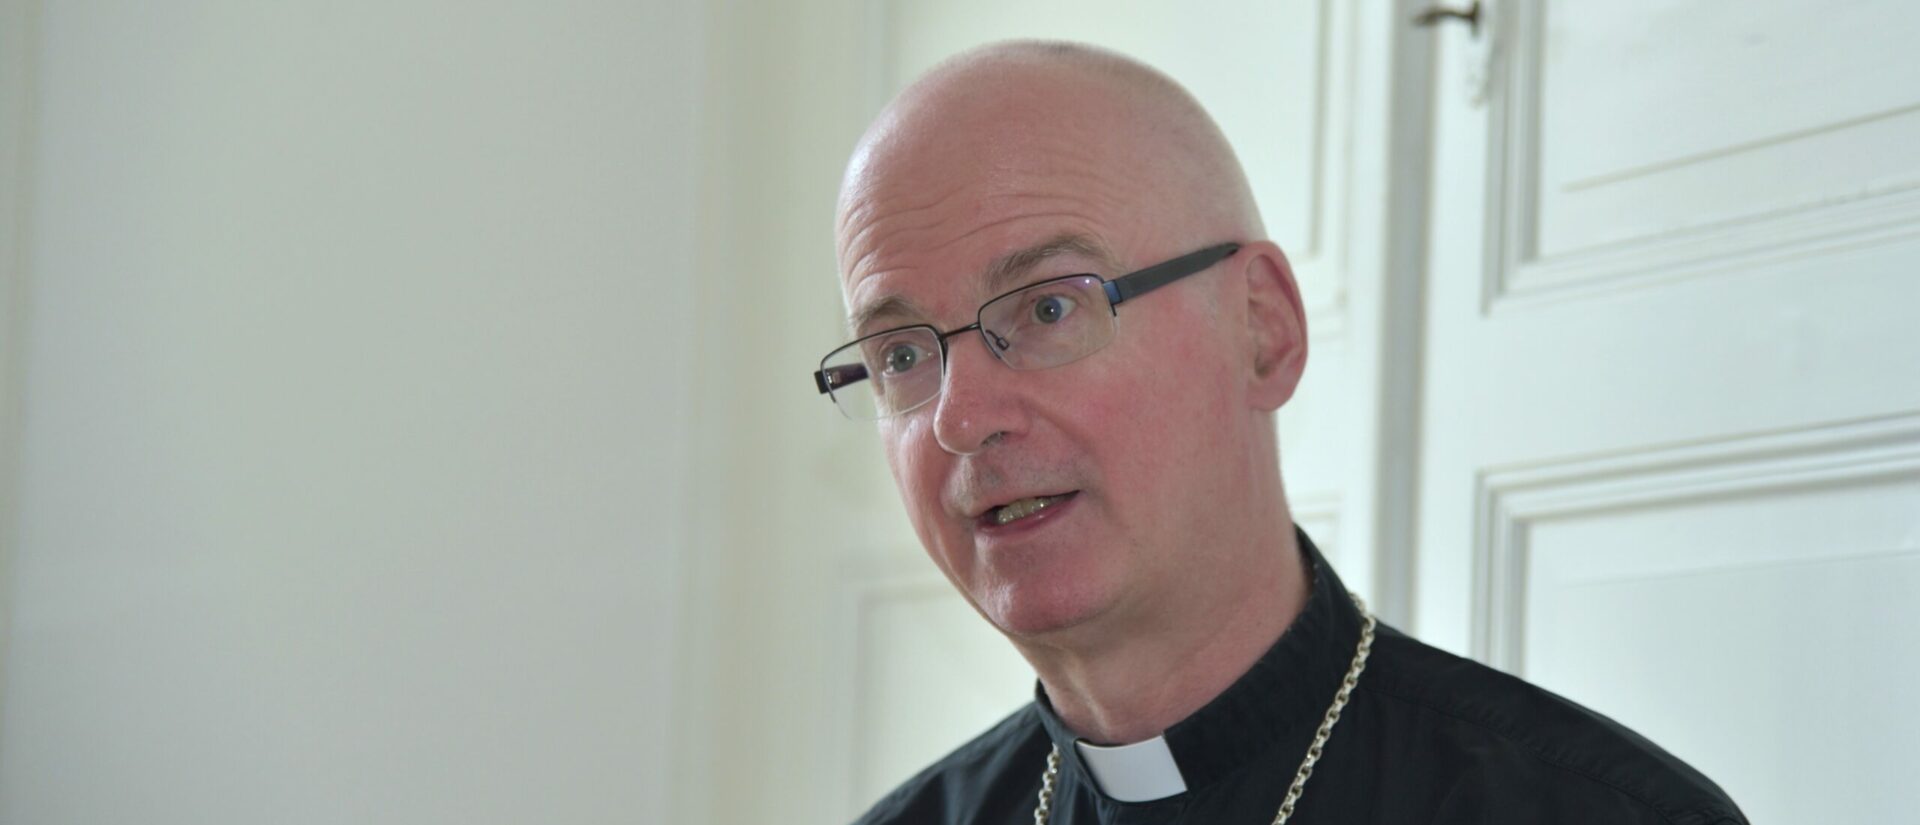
x=1427 y=737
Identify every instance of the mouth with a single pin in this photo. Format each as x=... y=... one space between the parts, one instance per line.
x=1023 y=510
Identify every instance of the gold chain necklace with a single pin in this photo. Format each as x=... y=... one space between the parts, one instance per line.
x=1347 y=685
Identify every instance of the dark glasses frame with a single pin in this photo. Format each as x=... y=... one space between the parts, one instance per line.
x=1118 y=291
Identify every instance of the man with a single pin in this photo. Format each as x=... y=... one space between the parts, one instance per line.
x=1091 y=460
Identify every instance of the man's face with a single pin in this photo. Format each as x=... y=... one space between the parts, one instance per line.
x=1136 y=448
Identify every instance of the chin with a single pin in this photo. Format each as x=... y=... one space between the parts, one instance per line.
x=1035 y=609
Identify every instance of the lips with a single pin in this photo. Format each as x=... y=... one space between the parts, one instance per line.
x=1024 y=508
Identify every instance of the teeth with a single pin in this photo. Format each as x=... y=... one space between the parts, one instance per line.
x=1009 y=513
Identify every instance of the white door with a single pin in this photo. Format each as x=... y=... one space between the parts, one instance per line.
x=1671 y=411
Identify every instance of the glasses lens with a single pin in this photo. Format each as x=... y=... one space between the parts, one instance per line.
x=885 y=374
x=1050 y=323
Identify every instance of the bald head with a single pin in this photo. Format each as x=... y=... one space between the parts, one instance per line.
x=1010 y=120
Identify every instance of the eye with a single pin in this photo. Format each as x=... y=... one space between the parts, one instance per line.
x=902 y=357
x=1052 y=309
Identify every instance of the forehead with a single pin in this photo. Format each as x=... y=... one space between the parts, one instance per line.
x=936 y=238
x=959 y=175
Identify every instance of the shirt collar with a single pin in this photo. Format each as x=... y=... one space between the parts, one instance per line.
x=1284 y=694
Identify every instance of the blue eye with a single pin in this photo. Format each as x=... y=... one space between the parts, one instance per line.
x=1052 y=309
x=902 y=358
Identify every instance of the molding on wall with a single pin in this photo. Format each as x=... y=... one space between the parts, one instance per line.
x=1409 y=107
x=1516 y=276
x=864 y=588
x=19 y=62
x=1510 y=501
x=1330 y=225
x=877 y=25
x=1318 y=513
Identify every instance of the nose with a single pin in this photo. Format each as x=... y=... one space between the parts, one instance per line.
x=977 y=405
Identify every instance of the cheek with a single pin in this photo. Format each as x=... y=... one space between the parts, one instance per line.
x=1167 y=412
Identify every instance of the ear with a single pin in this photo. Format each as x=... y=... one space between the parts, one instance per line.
x=1276 y=327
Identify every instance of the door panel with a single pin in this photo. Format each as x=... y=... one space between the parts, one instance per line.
x=1648 y=142
x=1656 y=116
x=1669 y=437
x=929 y=674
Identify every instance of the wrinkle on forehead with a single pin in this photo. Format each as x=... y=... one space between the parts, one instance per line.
x=910 y=203
x=867 y=250
x=998 y=276
x=863 y=308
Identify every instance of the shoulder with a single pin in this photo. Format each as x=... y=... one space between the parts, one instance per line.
x=995 y=774
x=1515 y=743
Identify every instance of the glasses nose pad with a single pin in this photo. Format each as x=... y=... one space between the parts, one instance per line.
x=996 y=343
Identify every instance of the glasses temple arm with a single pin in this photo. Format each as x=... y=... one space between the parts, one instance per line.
x=831 y=378
x=1159 y=275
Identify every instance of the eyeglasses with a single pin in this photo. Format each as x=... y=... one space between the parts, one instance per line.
x=1048 y=324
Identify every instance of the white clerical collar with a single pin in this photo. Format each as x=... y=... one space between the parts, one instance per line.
x=1140 y=772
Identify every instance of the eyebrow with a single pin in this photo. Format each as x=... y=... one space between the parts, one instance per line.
x=1000 y=275
x=1009 y=269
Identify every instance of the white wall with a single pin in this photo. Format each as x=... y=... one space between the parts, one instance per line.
x=786 y=492
x=350 y=466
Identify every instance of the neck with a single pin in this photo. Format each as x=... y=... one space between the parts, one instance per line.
x=1139 y=684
